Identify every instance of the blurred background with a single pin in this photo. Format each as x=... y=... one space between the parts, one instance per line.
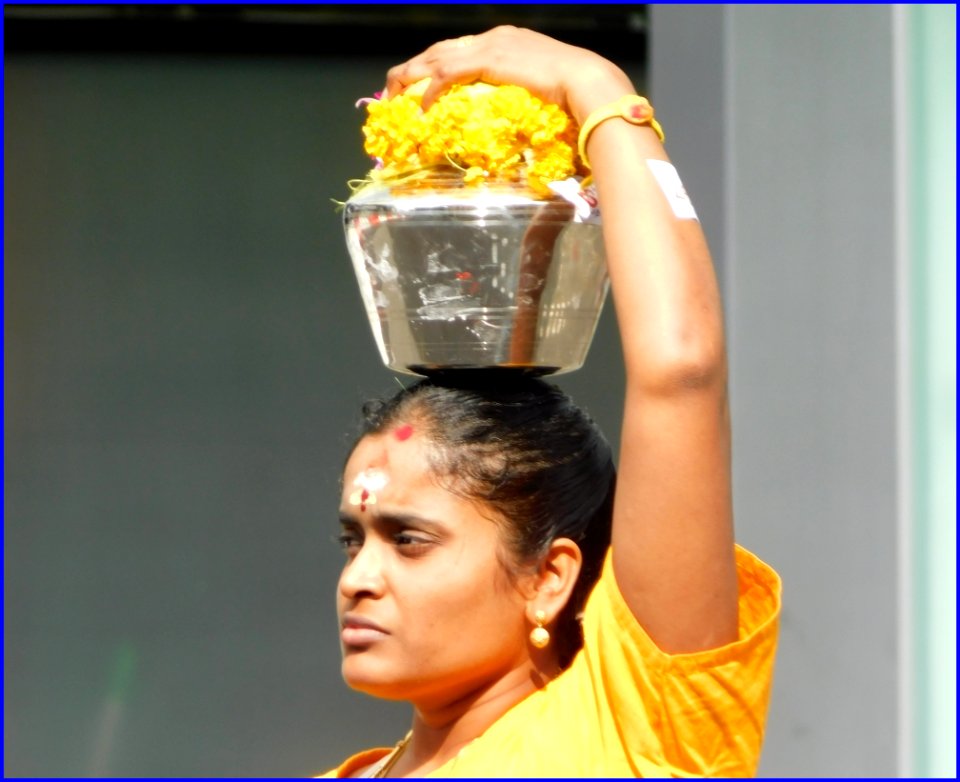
x=185 y=353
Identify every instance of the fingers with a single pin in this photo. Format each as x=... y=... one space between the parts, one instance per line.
x=555 y=72
x=448 y=62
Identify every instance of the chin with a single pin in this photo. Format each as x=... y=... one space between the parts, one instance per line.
x=370 y=679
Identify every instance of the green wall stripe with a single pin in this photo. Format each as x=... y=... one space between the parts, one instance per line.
x=931 y=243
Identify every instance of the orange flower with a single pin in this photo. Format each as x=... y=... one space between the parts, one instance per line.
x=490 y=132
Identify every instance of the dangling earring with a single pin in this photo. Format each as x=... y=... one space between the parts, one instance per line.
x=539 y=635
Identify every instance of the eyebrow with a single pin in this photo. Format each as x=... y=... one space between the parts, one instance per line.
x=394 y=520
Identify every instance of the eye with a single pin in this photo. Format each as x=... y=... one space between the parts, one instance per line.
x=411 y=544
x=350 y=542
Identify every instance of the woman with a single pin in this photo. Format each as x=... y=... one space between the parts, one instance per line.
x=476 y=520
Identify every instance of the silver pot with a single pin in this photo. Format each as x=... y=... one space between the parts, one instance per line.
x=458 y=277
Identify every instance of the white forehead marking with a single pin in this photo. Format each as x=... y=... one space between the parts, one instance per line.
x=371 y=479
x=368 y=483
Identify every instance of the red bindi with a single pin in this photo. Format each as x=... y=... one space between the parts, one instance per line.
x=403 y=432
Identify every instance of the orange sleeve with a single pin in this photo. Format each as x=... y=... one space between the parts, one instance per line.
x=686 y=714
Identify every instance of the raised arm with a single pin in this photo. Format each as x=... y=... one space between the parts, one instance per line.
x=672 y=528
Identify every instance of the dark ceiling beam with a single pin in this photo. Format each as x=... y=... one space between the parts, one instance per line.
x=393 y=31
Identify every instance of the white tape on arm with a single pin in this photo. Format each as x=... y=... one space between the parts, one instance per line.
x=676 y=195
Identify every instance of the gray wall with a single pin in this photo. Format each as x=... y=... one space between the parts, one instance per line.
x=786 y=114
x=185 y=355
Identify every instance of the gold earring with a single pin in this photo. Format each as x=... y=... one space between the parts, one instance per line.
x=539 y=635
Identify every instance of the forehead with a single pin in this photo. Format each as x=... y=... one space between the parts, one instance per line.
x=396 y=469
x=399 y=457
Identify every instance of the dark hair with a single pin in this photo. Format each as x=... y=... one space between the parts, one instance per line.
x=523 y=447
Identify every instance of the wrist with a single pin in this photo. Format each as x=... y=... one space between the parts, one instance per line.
x=596 y=87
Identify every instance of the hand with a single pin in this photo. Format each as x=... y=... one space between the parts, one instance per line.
x=576 y=79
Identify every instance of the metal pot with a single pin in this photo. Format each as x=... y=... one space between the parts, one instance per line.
x=458 y=276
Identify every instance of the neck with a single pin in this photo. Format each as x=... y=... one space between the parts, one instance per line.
x=441 y=730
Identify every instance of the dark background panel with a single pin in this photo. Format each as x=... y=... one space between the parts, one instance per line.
x=185 y=353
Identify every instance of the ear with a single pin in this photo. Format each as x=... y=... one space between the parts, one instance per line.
x=554 y=581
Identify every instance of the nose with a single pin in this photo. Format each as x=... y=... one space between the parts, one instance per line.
x=363 y=575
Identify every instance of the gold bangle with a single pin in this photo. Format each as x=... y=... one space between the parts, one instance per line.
x=633 y=108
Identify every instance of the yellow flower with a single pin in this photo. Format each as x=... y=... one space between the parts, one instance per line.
x=490 y=132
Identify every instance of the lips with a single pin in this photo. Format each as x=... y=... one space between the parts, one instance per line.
x=358 y=631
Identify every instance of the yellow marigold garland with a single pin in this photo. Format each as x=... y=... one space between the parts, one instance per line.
x=490 y=132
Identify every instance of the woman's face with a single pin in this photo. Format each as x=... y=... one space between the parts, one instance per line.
x=428 y=613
